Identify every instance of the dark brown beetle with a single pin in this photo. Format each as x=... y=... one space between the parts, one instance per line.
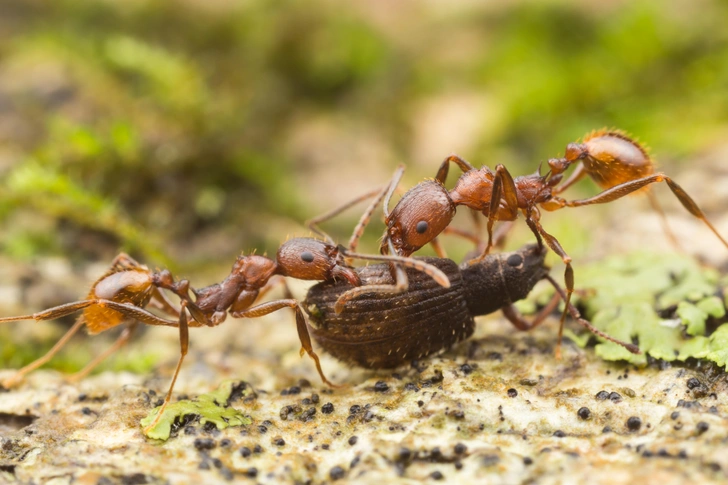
x=378 y=330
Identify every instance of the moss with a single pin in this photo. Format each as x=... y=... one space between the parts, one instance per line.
x=664 y=301
x=212 y=407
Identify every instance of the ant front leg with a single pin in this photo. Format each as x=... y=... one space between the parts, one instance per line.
x=184 y=343
x=445 y=167
x=303 y=336
x=313 y=223
x=401 y=284
x=619 y=191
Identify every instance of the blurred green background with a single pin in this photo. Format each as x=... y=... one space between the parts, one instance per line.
x=188 y=131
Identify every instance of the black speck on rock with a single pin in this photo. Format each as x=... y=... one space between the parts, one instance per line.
x=437 y=475
x=693 y=382
x=615 y=397
x=381 y=386
x=466 y=369
x=204 y=443
x=337 y=473
x=353 y=440
x=634 y=423
x=702 y=427
x=584 y=413
x=327 y=408
x=512 y=392
x=460 y=449
x=602 y=395
x=245 y=452
x=559 y=434
x=411 y=386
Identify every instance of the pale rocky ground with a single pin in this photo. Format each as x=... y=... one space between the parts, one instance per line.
x=498 y=408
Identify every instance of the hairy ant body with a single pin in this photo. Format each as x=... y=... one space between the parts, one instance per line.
x=616 y=162
x=123 y=293
x=387 y=330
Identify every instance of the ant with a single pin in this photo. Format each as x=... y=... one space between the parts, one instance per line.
x=128 y=287
x=615 y=161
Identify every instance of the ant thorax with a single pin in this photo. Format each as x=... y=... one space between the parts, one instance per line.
x=473 y=189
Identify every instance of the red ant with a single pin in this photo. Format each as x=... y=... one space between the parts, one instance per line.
x=123 y=293
x=616 y=162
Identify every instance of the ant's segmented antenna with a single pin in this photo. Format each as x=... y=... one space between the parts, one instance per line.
x=430 y=270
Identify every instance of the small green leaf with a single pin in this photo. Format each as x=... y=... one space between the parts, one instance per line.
x=211 y=407
x=692 y=317
x=713 y=306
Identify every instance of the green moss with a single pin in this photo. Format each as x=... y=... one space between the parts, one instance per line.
x=212 y=407
x=626 y=295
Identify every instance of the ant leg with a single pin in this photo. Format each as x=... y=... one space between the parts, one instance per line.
x=625 y=188
x=586 y=324
x=504 y=190
x=160 y=301
x=555 y=246
x=184 y=341
x=303 y=336
x=397 y=263
x=430 y=270
x=578 y=174
x=119 y=343
x=314 y=222
x=126 y=309
x=437 y=247
x=663 y=221
x=18 y=376
x=518 y=321
x=470 y=236
x=390 y=190
x=367 y=215
x=445 y=167
x=401 y=284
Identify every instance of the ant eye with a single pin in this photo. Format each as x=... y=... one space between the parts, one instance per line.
x=307 y=256
x=421 y=227
x=514 y=260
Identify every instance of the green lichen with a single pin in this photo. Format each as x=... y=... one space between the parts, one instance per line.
x=625 y=297
x=212 y=407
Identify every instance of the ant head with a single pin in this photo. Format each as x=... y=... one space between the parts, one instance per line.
x=306 y=258
x=422 y=213
x=575 y=151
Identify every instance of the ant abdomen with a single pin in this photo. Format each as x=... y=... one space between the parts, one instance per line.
x=612 y=158
x=133 y=286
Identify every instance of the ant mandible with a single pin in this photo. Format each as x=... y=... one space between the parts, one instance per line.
x=615 y=161
x=128 y=287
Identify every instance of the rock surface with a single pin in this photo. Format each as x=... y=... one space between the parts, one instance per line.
x=498 y=408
